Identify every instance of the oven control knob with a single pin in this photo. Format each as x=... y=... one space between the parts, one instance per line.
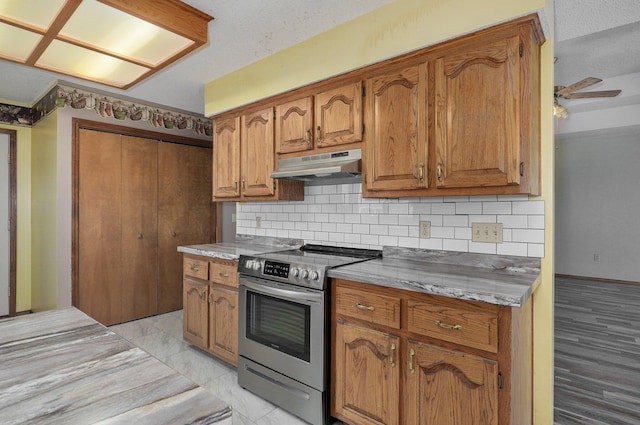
x=313 y=275
x=257 y=265
x=304 y=274
x=295 y=272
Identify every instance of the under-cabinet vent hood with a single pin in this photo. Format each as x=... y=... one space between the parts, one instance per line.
x=324 y=168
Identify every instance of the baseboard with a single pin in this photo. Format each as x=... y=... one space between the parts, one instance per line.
x=597 y=279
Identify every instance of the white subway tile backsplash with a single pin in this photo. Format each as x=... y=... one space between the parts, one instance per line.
x=338 y=215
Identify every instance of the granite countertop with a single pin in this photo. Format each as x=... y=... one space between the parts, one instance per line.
x=243 y=245
x=495 y=279
x=62 y=367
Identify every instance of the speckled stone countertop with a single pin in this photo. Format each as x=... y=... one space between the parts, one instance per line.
x=495 y=279
x=62 y=367
x=243 y=245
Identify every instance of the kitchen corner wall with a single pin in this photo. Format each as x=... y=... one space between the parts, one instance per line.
x=339 y=215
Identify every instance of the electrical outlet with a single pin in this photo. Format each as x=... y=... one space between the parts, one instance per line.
x=596 y=257
x=425 y=229
x=486 y=232
x=258 y=222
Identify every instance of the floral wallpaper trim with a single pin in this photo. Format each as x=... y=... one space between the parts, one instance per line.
x=105 y=107
x=120 y=110
x=15 y=115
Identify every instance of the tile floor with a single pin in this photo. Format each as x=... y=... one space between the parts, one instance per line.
x=161 y=336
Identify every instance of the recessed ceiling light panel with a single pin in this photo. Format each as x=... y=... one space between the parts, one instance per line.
x=115 y=42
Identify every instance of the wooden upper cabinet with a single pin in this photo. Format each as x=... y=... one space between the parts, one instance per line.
x=244 y=157
x=396 y=145
x=330 y=118
x=258 y=157
x=226 y=158
x=478 y=112
x=294 y=124
x=338 y=116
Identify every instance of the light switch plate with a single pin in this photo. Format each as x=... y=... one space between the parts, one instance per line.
x=486 y=232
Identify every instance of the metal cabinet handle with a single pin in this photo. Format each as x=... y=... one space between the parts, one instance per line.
x=223 y=274
x=448 y=326
x=392 y=355
x=174 y=234
x=203 y=296
x=307 y=137
x=140 y=236
x=439 y=170
x=195 y=267
x=235 y=186
x=244 y=186
x=421 y=172
x=412 y=354
x=318 y=135
x=364 y=307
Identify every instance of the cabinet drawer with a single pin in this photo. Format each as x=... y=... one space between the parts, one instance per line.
x=472 y=328
x=224 y=273
x=195 y=268
x=373 y=308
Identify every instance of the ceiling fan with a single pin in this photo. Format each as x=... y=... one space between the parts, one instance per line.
x=569 y=92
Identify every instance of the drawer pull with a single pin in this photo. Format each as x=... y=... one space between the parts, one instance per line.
x=412 y=354
x=448 y=326
x=364 y=307
x=392 y=355
x=195 y=267
x=203 y=296
x=223 y=274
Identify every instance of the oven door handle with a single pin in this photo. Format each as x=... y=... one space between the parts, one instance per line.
x=283 y=293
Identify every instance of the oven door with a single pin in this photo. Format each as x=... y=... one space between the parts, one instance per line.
x=282 y=327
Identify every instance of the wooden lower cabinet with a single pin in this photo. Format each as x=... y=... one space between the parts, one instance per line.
x=417 y=370
x=449 y=387
x=210 y=316
x=368 y=376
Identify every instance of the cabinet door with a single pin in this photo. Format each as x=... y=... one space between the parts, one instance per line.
x=396 y=144
x=196 y=312
x=100 y=226
x=139 y=227
x=294 y=124
x=258 y=157
x=226 y=158
x=477 y=115
x=338 y=116
x=184 y=213
x=223 y=323
x=445 y=387
x=367 y=377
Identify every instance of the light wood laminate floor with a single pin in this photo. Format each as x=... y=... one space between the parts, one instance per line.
x=597 y=353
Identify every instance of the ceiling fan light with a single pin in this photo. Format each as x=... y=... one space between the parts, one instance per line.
x=559 y=110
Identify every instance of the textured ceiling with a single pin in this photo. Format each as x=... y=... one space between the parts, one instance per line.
x=599 y=38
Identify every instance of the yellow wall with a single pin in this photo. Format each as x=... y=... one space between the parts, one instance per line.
x=44 y=294
x=401 y=26
x=23 y=222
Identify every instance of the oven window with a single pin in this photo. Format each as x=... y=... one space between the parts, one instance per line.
x=279 y=324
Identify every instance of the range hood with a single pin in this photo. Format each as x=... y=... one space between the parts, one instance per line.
x=325 y=168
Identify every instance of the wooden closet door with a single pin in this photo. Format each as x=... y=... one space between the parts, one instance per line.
x=184 y=213
x=139 y=227
x=100 y=226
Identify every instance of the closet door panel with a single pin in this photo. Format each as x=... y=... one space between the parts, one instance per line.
x=139 y=226
x=100 y=226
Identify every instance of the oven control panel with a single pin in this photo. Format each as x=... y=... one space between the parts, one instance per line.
x=297 y=274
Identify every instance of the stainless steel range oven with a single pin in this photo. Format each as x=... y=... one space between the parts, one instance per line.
x=283 y=326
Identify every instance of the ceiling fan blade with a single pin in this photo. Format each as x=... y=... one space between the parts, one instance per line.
x=577 y=86
x=587 y=94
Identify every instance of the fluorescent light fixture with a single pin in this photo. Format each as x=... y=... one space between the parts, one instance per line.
x=114 y=42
